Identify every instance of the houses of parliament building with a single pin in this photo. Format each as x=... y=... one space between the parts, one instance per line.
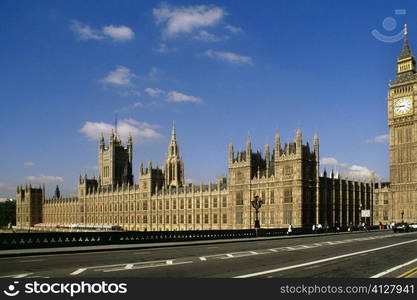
x=286 y=177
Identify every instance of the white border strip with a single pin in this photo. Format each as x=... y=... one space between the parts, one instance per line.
x=394 y=269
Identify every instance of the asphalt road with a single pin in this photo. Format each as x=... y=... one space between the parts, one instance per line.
x=355 y=255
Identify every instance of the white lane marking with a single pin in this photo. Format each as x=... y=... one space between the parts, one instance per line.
x=147 y=266
x=322 y=260
x=129 y=266
x=253 y=252
x=273 y=250
x=14 y=275
x=394 y=268
x=22 y=275
x=169 y=262
x=79 y=271
x=229 y=255
x=31 y=260
x=290 y=248
x=203 y=258
x=155 y=263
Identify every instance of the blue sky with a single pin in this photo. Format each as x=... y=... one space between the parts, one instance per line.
x=220 y=69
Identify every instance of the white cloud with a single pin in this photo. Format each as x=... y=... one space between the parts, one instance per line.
x=344 y=169
x=29 y=164
x=119 y=33
x=208 y=37
x=44 y=179
x=228 y=57
x=120 y=76
x=140 y=131
x=233 y=29
x=178 y=20
x=174 y=96
x=359 y=171
x=154 y=92
x=85 y=32
x=331 y=161
x=379 y=139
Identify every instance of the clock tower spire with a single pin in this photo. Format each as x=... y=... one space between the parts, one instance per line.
x=406 y=64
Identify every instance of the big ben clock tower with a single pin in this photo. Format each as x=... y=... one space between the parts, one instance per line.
x=402 y=122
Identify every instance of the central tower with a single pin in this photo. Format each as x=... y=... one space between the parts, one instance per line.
x=402 y=122
x=115 y=161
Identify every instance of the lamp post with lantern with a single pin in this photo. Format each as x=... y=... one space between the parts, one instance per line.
x=256 y=204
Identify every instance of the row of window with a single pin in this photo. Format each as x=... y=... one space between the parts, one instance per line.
x=405 y=67
x=181 y=219
x=404 y=89
x=167 y=204
x=199 y=219
x=287 y=197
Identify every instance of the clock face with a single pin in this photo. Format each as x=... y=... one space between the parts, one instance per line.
x=403 y=106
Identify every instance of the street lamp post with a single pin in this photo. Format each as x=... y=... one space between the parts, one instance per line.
x=402 y=216
x=256 y=204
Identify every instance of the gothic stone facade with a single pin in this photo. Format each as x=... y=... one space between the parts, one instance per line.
x=287 y=180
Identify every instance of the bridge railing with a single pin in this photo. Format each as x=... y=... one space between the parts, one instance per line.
x=66 y=239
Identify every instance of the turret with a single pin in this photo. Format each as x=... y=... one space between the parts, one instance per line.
x=141 y=168
x=112 y=137
x=101 y=143
x=298 y=140
x=248 y=150
x=267 y=159
x=316 y=146
x=130 y=148
x=277 y=145
x=231 y=153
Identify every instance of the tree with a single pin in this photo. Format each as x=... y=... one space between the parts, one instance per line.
x=7 y=213
x=57 y=193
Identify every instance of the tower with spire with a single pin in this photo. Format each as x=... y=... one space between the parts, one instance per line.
x=402 y=123
x=173 y=166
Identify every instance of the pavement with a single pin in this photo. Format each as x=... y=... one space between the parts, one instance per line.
x=377 y=254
